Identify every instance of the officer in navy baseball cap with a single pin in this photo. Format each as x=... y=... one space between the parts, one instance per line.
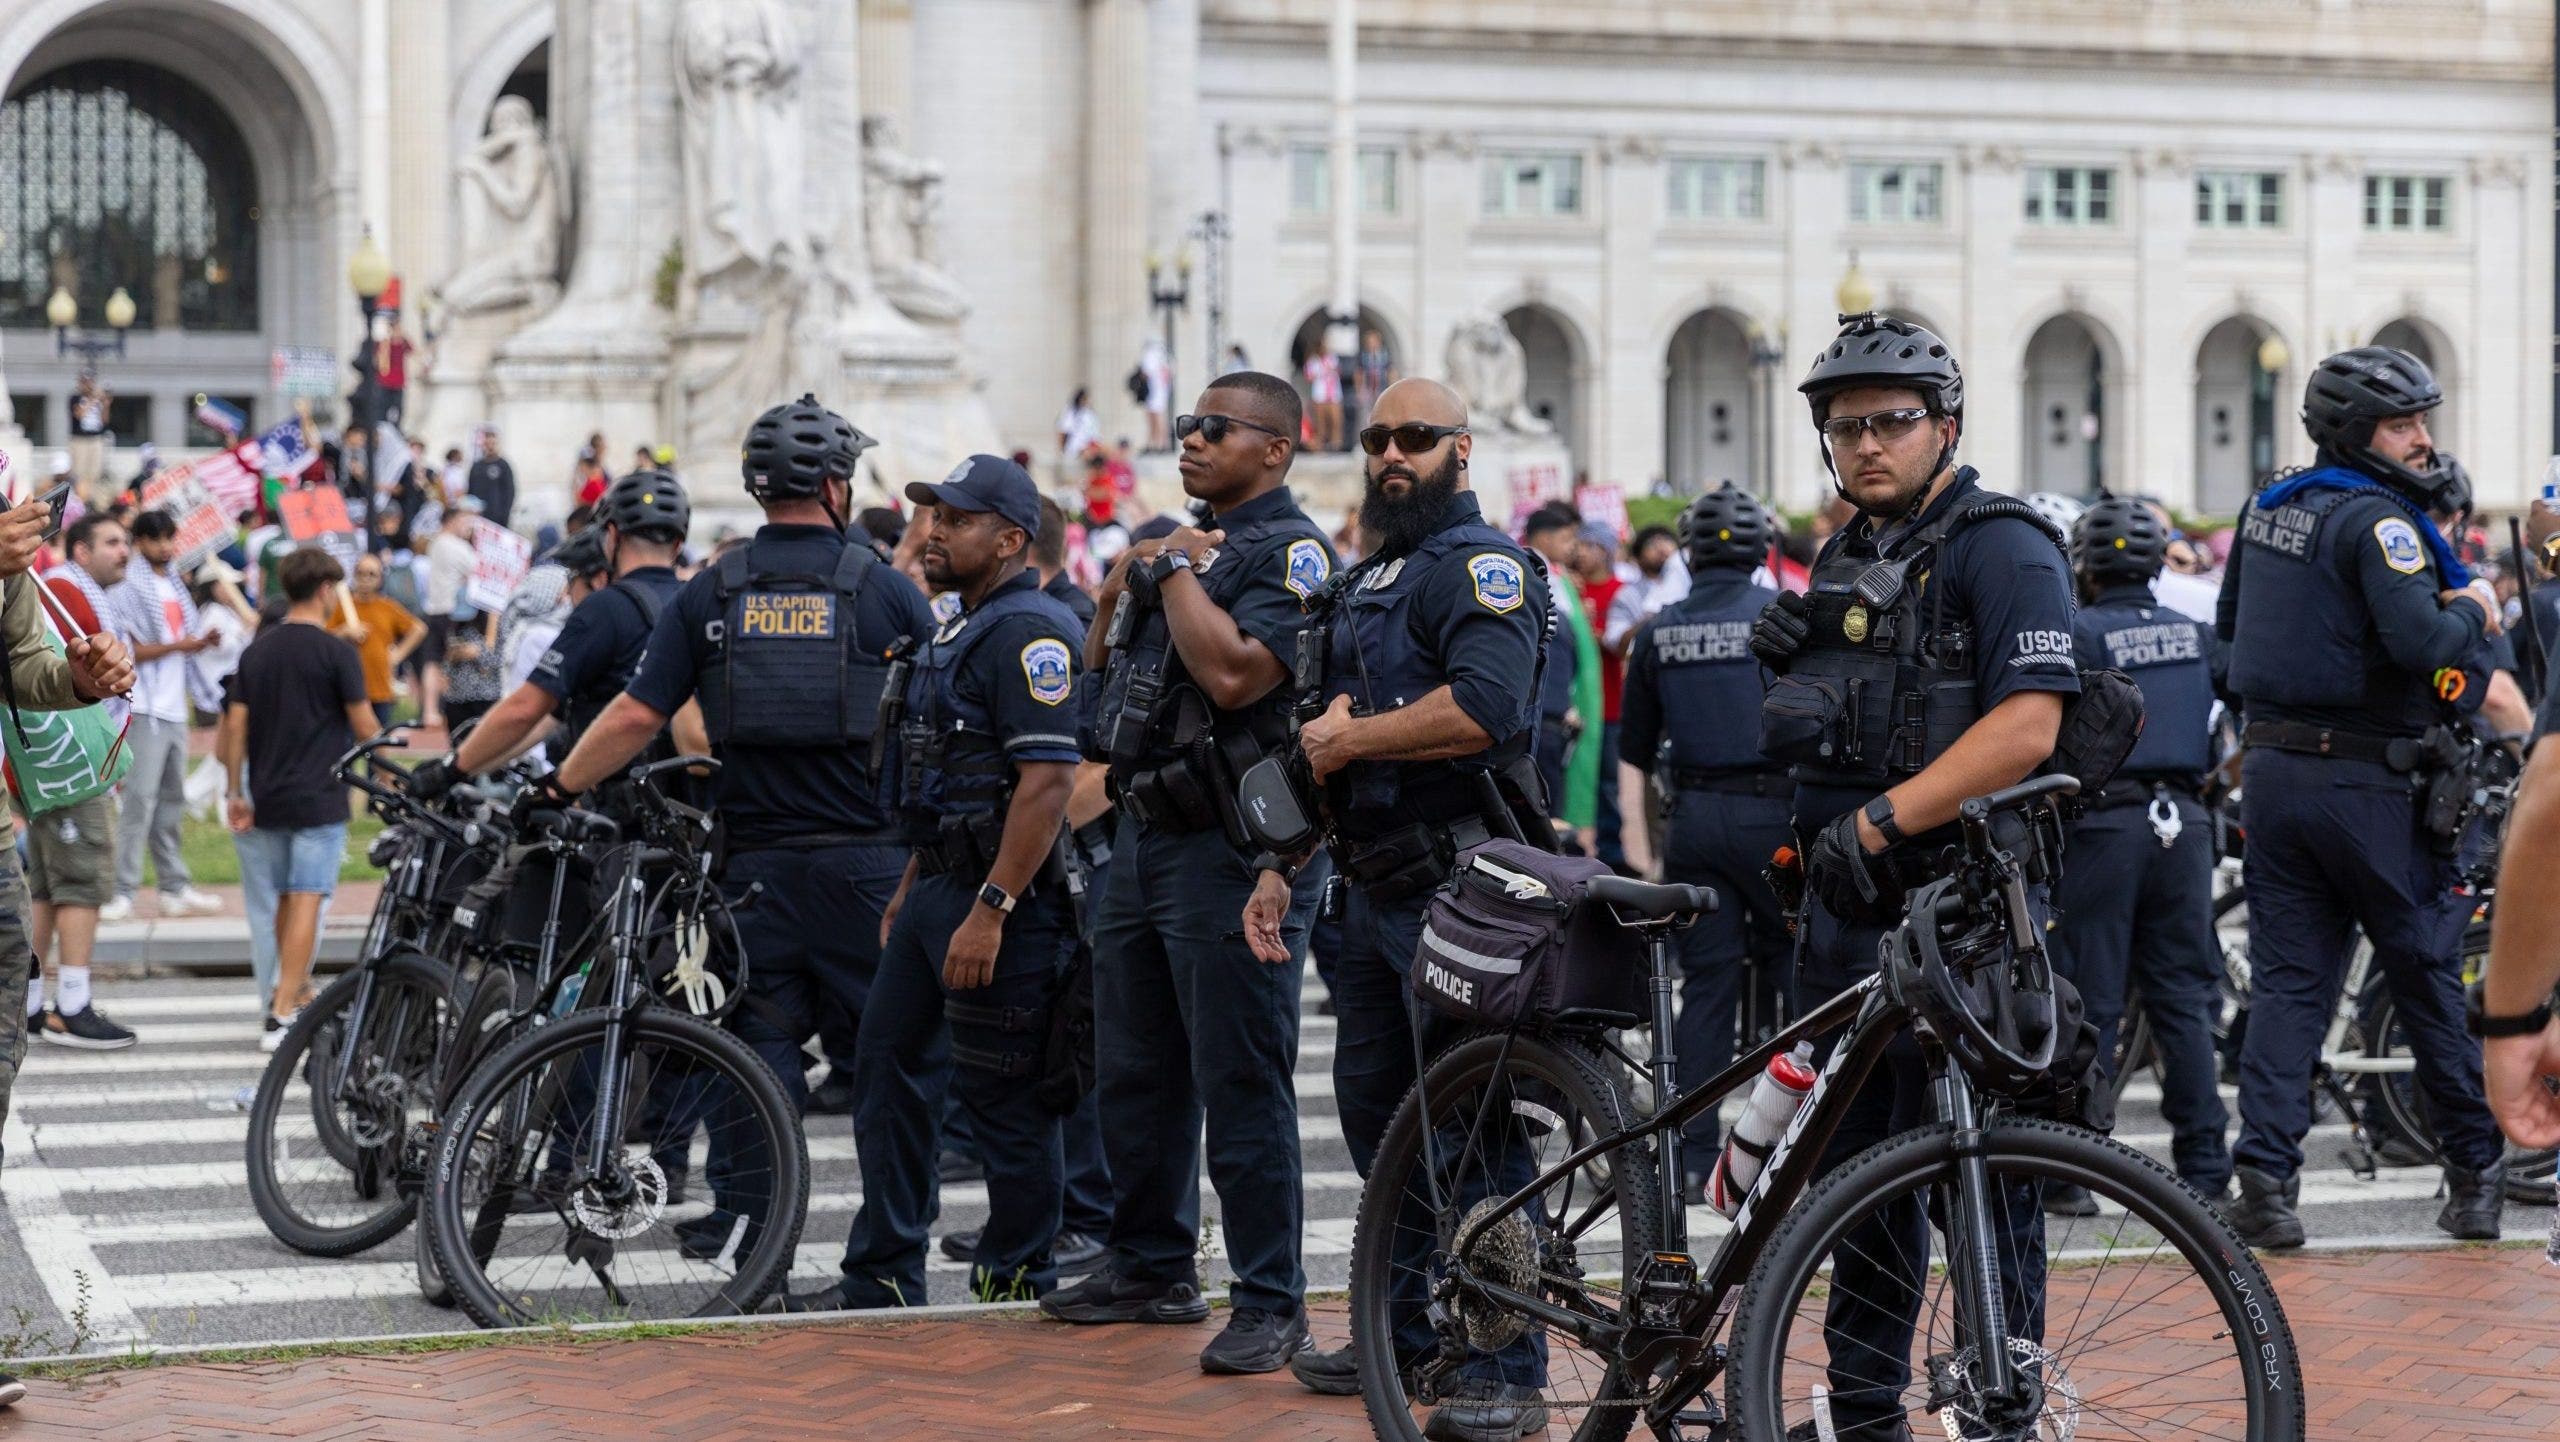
x=985 y=483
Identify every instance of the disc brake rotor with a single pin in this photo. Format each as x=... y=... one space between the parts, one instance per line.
x=2056 y=1421
x=631 y=1216
x=1507 y=1256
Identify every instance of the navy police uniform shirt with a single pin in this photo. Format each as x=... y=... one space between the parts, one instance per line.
x=1564 y=664
x=1063 y=589
x=599 y=646
x=1693 y=685
x=1001 y=676
x=2005 y=577
x=769 y=795
x=1276 y=572
x=2175 y=660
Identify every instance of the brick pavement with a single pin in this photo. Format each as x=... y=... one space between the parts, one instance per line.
x=2398 y=1347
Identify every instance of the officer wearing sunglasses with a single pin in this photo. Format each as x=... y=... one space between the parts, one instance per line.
x=1948 y=609
x=1193 y=636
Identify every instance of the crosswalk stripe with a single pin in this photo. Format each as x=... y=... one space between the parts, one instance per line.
x=47 y=1062
x=65 y=1264
x=146 y=1007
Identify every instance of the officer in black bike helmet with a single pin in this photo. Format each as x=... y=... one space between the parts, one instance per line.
x=2137 y=880
x=784 y=642
x=2351 y=624
x=1945 y=609
x=640 y=526
x=1692 y=717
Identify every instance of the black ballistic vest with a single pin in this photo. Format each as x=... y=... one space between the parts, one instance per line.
x=789 y=668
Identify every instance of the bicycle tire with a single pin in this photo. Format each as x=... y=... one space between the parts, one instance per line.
x=479 y=1029
x=283 y=1203
x=2263 y=1352
x=1594 y=1089
x=465 y=1245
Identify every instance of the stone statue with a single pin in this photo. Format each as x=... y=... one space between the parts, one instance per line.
x=901 y=211
x=511 y=197
x=1490 y=372
x=738 y=73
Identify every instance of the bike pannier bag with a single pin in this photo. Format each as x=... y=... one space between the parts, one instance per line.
x=1507 y=939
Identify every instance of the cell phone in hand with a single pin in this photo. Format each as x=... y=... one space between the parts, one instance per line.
x=55 y=500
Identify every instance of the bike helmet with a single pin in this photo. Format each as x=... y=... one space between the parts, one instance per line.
x=793 y=450
x=647 y=504
x=1990 y=1006
x=582 y=554
x=2355 y=390
x=2059 y=511
x=1724 y=527
x=2453 y=487
x=2119 y=539
x=1874 y=349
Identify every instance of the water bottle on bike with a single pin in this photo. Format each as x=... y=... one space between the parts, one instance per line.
x=1774 y=1099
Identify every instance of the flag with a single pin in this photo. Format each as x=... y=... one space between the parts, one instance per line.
x=391 y=454
x=232 y=477
x=221 y=415
x=283 y=453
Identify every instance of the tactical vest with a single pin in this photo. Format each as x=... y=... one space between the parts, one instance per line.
x=1175 y=757
x=952 y=761
x=1710 y=684
x=2170 y=657
x=2304 y=636
x=1885 y=681
x=790 y=668
x=579 y=710
x=1371 y=657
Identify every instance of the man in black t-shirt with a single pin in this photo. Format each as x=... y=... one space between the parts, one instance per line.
x=296 y=705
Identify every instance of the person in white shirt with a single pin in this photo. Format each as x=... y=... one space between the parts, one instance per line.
x=451 y=556
x=151 y=611
x=1652 y=582
x=1078 y=427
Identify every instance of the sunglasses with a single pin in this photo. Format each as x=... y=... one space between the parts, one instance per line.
x=1890 y=426
x=1213 y=428
x=1412 y=438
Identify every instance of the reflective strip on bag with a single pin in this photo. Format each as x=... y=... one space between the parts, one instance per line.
x=1499 y=965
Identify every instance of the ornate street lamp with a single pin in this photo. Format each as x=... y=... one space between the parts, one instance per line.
x=64 y=313
x=1854 y=295
x=1768 y=352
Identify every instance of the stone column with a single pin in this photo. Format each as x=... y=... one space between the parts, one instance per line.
x=888 y=63
x=1986 y=200
x=1116 y=315
x=373 y=118
x=1342 y=53
x=1178 y=154
x=420 y=242
x=1258 y=177
x=1445 y=200
x=1624 y=425
x=1817 y=211
x=2507 y=415
x=2162 y=195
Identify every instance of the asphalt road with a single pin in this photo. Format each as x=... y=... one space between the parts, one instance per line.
x=122 y=1199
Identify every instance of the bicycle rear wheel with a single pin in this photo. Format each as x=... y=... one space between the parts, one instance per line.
x=324 y=1157
x=528 y=1229
x=1501 y=1114
x=2148 y=1320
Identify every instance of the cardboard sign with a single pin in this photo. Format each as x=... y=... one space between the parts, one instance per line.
x=317 y=516
x=203 y=527
x=1603 y=506
x=1533 y=485
x=303 y=370
x=500 y=560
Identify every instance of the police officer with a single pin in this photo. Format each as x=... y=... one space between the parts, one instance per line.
x=784 y=642
x=1976 y=637
x=640 y=523
x=1434 y=652
x=2137 y=882
x=1195 y=636
x=981 y=926
x=1692 y=717
x=2349 y=618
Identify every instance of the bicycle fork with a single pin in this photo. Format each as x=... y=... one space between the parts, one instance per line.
x=1973 y=1245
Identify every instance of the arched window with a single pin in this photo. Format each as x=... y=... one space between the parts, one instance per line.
x=119 y=174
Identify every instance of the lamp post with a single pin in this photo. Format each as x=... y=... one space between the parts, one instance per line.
x=2272 y=357
x=1170 y=300
x=368 y=275
x=1854 y=295
x=1767 y=352
x=1212 y=233
x=64 y=313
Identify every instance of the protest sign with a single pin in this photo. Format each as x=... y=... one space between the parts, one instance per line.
x=499 y=563
x=1603 y=506
x=203 y=526
x=317 y=516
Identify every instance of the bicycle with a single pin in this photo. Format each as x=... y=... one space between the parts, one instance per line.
x=1573 y=1259
x=573 y=1141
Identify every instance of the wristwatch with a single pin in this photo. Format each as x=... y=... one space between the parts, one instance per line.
x=2479 y=1023
x=993 y=895
x=1879 y=814
x=1170 y=561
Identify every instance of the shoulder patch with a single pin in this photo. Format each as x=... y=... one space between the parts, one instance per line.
x=1046 y=666
x=1498 y=584
x=2400 y=548
x=945 y=605
x=1307 y=568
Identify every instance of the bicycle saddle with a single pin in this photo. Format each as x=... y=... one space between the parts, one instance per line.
x=1650 y=901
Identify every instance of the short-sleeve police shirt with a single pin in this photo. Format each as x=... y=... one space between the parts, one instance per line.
x=1279 y=571
x=599 y=646
x=995 y=677
x=767 y=795
x=1487 y=650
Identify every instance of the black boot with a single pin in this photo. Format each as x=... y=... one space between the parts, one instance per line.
x=2475 y=1198
x=2265 y=1214
x=1487 y=1409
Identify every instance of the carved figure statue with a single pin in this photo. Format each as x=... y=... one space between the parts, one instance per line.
x=902 y=207
x=1490 y=372
x=738 y=70
x=511 y=197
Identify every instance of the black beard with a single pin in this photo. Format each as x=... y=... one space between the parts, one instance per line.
x=1396 y=525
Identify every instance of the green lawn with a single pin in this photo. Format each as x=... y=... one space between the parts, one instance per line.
x=207 y=846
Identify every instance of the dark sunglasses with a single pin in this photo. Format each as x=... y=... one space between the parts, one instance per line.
x=1213 y=428
x=1412 y=438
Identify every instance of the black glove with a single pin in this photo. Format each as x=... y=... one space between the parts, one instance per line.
x=433 y=778
x=543 y=793
x=1851 y=884
x=1782 y=630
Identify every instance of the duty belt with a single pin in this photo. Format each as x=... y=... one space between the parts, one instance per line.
x=1732 y=783
x=2139 y=790
x=825 y=840
x=2305 y=739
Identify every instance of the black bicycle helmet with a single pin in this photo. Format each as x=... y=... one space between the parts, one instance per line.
x=1724 y=527
x=793 y=450
x=2453 y=487
x=2119 y=539
x=1874 y=349
x=647 y=504
x=1992 y=1008
x=582 y=554
x=2355 y=390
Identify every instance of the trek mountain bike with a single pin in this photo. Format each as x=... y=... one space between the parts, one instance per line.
x=1523 y=1220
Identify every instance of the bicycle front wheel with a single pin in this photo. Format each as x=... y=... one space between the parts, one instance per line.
x=677 y=1189
x=1502 y=1110
x=2147 y=1320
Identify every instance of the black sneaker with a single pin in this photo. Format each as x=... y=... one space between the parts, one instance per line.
x=705 y=1237
x=832 y=1097
x=1255 y=1341
x=2068 y=1199
x=841 y=1296
x=88 y=1028
x=1331 y=1374
x=1077 y=1253
x=961 y=1246
x=11 y=1389
x=1486 y=1409
x=1106 y=1296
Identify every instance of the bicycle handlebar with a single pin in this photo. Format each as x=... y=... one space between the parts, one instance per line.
x=572 y=824
x=2036 y=789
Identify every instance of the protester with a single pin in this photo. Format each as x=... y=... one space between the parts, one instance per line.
x=451 y=557
x=384 y=633
x=297 y=704
x=152 y=612
x=1078 y=426
x=1155 y=369
x=492 y=481
x=1323 y=374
